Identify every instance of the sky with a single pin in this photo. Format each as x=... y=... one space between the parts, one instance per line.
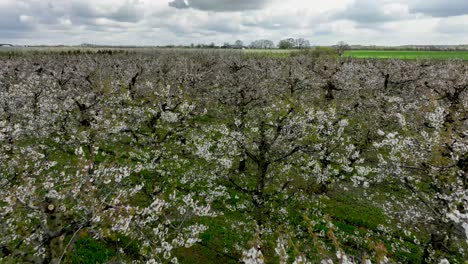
x=182 y=22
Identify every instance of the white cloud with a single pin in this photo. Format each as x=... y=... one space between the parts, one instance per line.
x=149 y=22
x=396 y=10
x=454 y=25
x=26 y=19
x=63 y=21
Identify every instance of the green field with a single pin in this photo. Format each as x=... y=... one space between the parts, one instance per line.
x=407 y=54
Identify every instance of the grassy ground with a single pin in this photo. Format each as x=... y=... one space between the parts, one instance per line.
x=351 y=214
x=407 y=54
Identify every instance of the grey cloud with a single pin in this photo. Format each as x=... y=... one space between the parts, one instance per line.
x=440 y=8
x=46 y=16
x=221 y=28
x=323 y=32
x=370 y=11
x=453 y=26
x=284 y=21
x=179 y=4
x=276 y=22
x=50 y=14
x=365 y=12
x=128 y=12
x=10 y=24
x=220 y=5
x=83 y=10
x=144 y=22
x=216 y=25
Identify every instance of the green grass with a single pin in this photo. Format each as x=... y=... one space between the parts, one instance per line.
x=351 y=213
x=88 y=250
x=407 y=54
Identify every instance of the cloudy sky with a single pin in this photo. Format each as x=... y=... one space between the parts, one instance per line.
x=161 y=22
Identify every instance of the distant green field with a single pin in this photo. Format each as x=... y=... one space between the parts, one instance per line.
x=407 y=54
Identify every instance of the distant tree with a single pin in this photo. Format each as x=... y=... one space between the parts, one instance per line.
x=287 y=43
x=239 y=43
x=262 y=44
x=268 y=44
x=301 y=43
x=341 y=47
x=291 y=43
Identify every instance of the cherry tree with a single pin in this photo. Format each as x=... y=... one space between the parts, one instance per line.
x=60 y=177
x=242 y=156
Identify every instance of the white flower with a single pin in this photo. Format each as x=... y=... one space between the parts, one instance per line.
x=401 y=119
x=444 y=261
x=170 y=117
x=226 y=163
x=344 y=123
x=281 y=251
x=302 y=260
x=436 y=118
x=343 y=258
x=252 y=256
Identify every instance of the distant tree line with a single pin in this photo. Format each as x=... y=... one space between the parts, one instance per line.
x=289 y=43
x=301 y=43
x=413 y=47
x=262 y=44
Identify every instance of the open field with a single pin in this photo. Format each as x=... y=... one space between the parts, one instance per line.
x=407 y=55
